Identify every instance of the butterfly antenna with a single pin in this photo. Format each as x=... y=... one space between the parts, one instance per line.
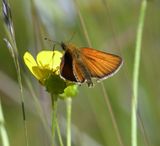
x=73 y=34
x=54 y=45
x=56 y=42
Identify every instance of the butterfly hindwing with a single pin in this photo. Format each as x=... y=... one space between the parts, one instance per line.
x=78 y=72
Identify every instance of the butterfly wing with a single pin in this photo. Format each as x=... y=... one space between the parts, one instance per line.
x=66 y=67
x=100 y=64
x=78 y=71
x=73 y=69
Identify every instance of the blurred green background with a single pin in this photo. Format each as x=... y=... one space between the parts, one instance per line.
x=111 y=26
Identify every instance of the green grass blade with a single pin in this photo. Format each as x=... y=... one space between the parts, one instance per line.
x=3 y=132
x=136 y=74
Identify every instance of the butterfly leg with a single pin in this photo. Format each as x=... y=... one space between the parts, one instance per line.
x=89 y=83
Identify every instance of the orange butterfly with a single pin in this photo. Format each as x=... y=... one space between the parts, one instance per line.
x=82 y=64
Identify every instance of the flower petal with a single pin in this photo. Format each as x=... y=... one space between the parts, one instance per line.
x=39 y=73
x=31 y=63
x=49 y=59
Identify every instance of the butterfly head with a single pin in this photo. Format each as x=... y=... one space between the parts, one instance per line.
x=64 y=46
x=68 y=46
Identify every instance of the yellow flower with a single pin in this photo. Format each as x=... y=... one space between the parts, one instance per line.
x=46 y=69
x=46 y=63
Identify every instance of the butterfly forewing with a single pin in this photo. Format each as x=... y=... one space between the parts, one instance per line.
x=100 y=64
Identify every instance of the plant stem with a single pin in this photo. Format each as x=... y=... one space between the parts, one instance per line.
x=103 y=90
x=3 y=132
x=12 y=46
x=115 y=126
x=55 y=125
x=53 y=115
x=136 y=74
x=59 y=133
x=69 y=109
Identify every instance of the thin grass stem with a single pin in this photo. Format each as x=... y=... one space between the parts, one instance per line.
x=3 y=131
x=136 y=73
x=59 y=132
x=144 y=133
x=38 y=106
x=103 y=90
x=112 y=116
x=69 y=110
x=12 y=46
x=83 y=24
